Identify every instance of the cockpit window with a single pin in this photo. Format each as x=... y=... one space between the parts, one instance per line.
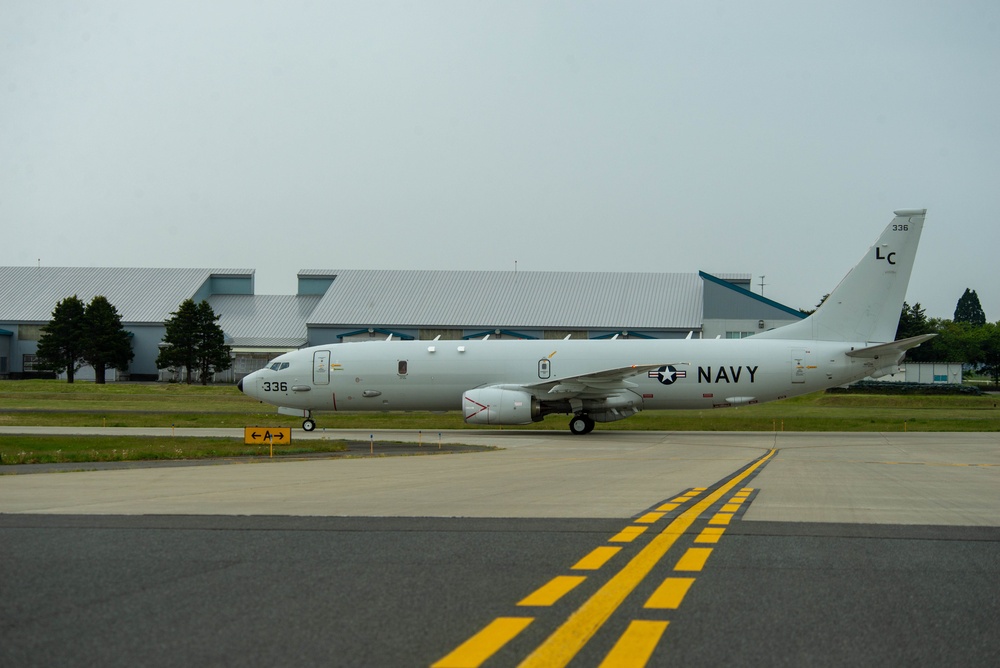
x=284 y=365
x=278 y=366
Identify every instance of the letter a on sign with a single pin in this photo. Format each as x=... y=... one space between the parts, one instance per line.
x=267 y=435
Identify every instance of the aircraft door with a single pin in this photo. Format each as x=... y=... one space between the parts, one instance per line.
x=321 y=367
x=802 y=364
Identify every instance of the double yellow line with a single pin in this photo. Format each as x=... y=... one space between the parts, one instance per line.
x=641 y=637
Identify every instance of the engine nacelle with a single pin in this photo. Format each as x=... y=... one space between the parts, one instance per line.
x=500 y=405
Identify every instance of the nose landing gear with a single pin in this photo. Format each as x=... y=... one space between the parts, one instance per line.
x=308 y=424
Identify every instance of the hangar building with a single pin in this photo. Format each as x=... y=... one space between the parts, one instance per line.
x=144 y=299
x=336 y=306
x=365 y=304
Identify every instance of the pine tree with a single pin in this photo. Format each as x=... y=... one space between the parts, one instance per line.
x=969 y=309
x=194 y=340
x=181 y=340
x=213 y=353
x=912 y=322
x=106 y=343
x=61 y=345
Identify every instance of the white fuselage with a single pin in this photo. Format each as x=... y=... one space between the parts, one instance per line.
x=433 y=375
x=519 y=382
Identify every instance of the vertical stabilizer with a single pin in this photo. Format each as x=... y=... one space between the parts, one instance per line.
x=865 y=307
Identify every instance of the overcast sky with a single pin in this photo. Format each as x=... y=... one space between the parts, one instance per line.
x=771 y=138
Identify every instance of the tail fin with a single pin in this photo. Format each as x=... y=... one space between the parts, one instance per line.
x=865 y=307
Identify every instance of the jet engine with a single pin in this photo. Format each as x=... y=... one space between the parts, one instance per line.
x=500 y=405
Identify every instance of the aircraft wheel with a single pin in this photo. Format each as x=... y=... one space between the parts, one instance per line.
x=581 y=424
x=309 y=424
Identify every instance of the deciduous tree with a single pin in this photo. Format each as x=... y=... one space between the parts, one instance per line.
x=955 y=342
x=990 y=350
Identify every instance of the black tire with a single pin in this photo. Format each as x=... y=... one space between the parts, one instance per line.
x=581 y=424
x=309 y=424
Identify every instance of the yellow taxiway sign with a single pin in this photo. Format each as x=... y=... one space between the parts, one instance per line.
x=267 y=435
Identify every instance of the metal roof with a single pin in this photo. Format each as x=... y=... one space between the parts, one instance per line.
x=264 y=321
x=510 y=299
x=141 y=295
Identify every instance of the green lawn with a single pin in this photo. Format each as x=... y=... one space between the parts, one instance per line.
x=55 y=403
x=21 y=449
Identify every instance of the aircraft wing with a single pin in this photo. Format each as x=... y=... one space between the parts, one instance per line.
x=597 y=383
x=890 y=351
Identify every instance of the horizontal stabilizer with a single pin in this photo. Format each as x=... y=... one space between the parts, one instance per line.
x=892 y=350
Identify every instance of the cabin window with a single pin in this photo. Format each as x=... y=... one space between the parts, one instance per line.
x=544 y=368
x=401 y=367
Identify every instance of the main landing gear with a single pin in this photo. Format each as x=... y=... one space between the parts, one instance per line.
x=309 y=424
x=581 y=424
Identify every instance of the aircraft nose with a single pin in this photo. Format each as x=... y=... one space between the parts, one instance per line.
x=239 y=385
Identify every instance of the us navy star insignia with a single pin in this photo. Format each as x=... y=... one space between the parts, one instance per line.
x=667 y=374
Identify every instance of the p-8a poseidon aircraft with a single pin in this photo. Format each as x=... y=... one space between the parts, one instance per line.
x=513 y=382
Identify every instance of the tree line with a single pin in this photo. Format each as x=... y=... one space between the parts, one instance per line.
x=93 y=334
x=966 y=338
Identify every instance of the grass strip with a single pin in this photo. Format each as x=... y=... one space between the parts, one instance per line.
x=23 y=449
x=55 y=403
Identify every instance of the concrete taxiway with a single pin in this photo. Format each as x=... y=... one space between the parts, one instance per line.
x=658 y=548
x=889 y=478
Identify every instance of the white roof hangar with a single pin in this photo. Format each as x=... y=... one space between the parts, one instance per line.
x=144 y=298
x=489 y=300
x=141 y=295
x=264 y=322
x=260 y=327
x=418 y=303
x=345 y=305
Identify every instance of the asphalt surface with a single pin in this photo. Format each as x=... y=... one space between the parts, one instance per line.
x=825 y=549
